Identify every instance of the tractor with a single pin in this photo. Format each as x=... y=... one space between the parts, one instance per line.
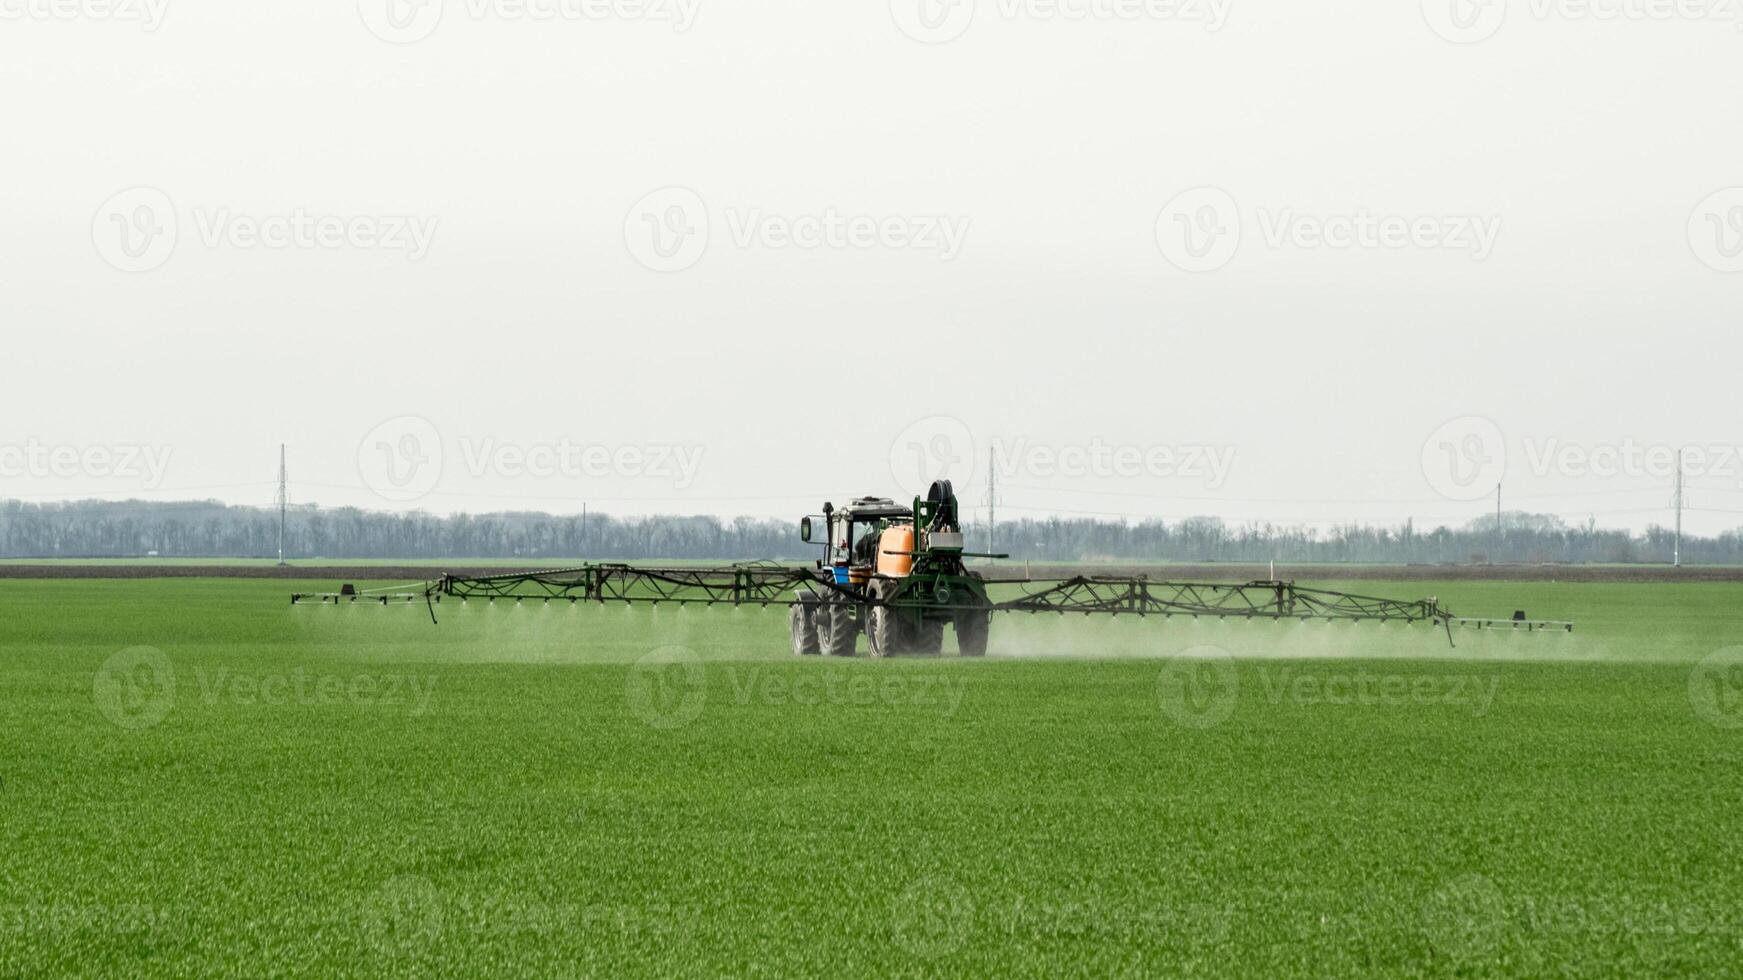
x=898 y=577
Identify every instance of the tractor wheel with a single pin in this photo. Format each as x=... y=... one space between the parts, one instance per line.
x=837 y=634
x=884 y=627
x=972 y=627
x=882 y=632
x=804 y=620
x=930 y=641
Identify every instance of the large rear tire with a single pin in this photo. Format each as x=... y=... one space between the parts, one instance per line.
x=804 y=627
x=882 y=634
x=972 y=627
x=837 y=633
x=884 y=626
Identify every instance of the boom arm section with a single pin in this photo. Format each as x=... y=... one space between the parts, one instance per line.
x=768 y=584
x=736 y=585
x=1273 y=599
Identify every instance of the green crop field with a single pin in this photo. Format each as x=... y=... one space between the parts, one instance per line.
x=198 y=778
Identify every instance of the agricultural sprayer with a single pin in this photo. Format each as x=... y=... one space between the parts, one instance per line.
x=896 y=574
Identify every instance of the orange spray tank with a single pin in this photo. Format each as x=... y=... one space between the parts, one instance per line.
x=898 y=538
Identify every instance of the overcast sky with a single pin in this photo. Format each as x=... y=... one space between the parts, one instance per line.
x=1254 y=258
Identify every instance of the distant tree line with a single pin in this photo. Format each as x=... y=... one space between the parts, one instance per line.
x=215 y=530
x=100 y=529
x=1522 y=537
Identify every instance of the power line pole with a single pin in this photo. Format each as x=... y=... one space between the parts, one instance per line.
x=1499 y=534
x=583 y=530
x=283 y=500
x=1676 y=549
x=992 y=503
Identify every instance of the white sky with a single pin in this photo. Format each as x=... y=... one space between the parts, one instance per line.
x=1603 y=314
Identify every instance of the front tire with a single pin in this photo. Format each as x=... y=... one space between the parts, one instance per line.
x=837 y=633
x=804 y=628
x=972 y=627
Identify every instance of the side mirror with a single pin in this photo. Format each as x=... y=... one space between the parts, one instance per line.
x=805 y=530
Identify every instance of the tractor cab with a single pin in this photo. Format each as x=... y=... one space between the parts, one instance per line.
x=851 y=534
x=875 y=536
